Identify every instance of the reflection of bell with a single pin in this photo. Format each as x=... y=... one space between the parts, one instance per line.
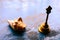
x=43 y=28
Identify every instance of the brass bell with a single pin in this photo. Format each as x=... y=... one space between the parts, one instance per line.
x=44 y=27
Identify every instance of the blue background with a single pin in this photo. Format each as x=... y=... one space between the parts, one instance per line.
x=33 y=13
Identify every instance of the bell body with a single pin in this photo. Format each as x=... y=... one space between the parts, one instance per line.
x=43 y=28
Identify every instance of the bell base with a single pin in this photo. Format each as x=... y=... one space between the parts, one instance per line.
x=43 y=29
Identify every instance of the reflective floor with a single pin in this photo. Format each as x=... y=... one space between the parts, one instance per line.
x=33 y=13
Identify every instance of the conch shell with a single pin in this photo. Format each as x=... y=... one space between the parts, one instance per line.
x=17 y=24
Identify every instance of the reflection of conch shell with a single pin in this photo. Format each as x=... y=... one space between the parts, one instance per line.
x=17 y=24
x=44 y=29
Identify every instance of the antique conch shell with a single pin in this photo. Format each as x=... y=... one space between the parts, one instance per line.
x=17 y=24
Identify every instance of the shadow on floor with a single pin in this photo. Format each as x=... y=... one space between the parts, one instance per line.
x=16 y=33
x=41 y=36
x=53 y=33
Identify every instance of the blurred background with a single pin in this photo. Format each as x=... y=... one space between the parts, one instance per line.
x=23 y=7
x=33 y=13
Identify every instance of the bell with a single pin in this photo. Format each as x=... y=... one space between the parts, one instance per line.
x=44 y=27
